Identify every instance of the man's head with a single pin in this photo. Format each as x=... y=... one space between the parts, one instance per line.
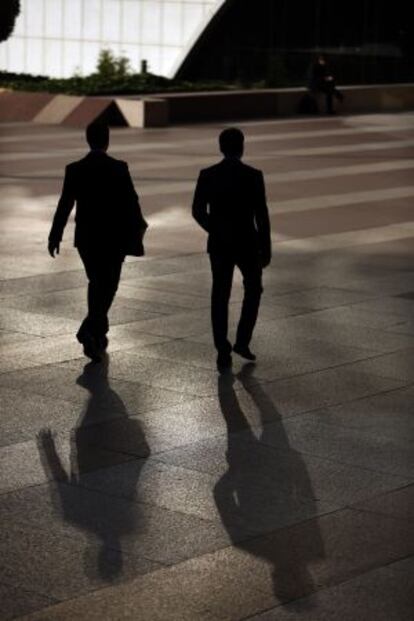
x=231 y=142
x=97 y=136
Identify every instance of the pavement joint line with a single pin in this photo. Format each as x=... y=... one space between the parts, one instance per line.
x=306 y=174
x=390 y=516
x=76 y=133
x=339 y=150
x=212 y=140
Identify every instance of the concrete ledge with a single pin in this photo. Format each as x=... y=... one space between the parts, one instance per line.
x=146 y=112
x=173 y=108
x=213 y=106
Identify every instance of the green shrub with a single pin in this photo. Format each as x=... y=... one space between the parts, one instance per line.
x=113 y=76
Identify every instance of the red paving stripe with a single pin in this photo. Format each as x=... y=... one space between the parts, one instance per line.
x=94 y=109
x=313 y=222
x=22 y=106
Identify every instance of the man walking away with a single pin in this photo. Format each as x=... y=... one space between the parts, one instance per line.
x=230 y=204
x=109 y=226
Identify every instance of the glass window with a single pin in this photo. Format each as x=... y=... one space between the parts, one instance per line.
x=53 y=58
x=151 y=23
x=72 y=19
x=111 y=20
x=71 y=58
x=131 y=20
x=172 y=18
x=90 y=54
x=34 y=55
x=34 y=18
x=92 y=20
x=169 y=58
x=16 y=55
x=193 y=19
x=53 y=18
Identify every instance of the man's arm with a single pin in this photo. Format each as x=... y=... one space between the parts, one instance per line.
x=133 y=199
x=263 y=222
x=65 y=206
x=200 y=203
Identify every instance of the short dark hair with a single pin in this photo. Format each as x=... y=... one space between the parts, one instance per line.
x=97 y=135
x=231 y=141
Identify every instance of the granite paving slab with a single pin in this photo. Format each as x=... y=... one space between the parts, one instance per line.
x=70 y=511
x=388 y=414
x=379 y=594
x=17 y=601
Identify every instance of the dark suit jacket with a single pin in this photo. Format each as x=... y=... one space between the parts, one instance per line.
x=108 y=214
x=230 y=204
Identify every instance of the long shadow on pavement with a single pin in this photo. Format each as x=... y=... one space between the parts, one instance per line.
x=94 y=447
x=266 y=489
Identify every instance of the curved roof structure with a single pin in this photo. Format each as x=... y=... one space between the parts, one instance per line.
x=60 y=38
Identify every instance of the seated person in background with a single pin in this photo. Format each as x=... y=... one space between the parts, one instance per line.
x=321 y=80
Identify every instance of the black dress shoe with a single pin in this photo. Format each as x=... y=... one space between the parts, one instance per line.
x=91 y=348
x=224 y=361
x=244 y=352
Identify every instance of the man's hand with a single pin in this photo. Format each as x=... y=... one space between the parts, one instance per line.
x=53 y=246
x=265 y=259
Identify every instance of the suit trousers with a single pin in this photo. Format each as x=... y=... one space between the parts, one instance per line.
x=103 y=269
x=222 y=267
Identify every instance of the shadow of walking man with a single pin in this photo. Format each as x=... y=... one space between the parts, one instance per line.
x=84 y=496
x=265 y=489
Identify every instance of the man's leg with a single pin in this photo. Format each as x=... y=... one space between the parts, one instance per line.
x=222 y=270
x=111 y=274
x=329 y=100
x=251 y=270
x=90 y=264
x=103 y=272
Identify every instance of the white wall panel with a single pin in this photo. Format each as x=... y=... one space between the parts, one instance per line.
x=72 y=57
x=72 y=19
x=193 y=16
x=172 y=24
x=131 y=22
x=35 y=55
x=53 y=52
x=168 y=58
x=16 y=54
x=34 y=13
x=89 y=57
x=53 y=18
x=92 y=15
x=151 y=23
x=111 y=20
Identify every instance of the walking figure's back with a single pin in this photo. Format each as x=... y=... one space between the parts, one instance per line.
x=230 y=204
x=109 y=226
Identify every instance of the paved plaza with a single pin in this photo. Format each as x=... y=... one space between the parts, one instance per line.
x=148 y=487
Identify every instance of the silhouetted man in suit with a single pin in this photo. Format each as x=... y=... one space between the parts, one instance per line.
x=109 y=226
x=230 y=204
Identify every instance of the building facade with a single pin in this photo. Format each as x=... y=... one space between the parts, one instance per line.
x=60 y=38
x=252 y=42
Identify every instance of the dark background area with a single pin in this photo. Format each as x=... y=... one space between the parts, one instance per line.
x=272 y=42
